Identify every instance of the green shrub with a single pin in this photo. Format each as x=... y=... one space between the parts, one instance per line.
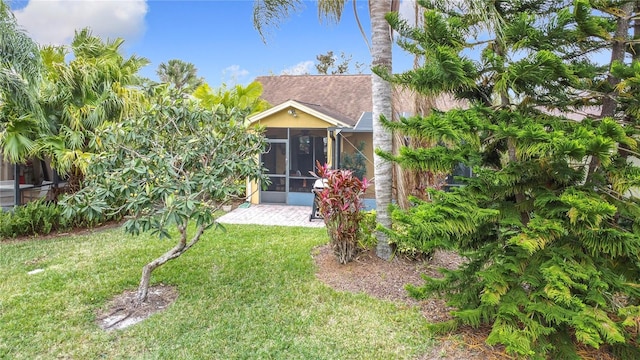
x=41 y=218
x=366 y=230
x=548 y=223
x=37 y=217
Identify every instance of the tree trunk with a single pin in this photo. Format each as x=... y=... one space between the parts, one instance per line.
x=382 y=139
x=416 y=182
x=610 y=103
x=176 y=251
x=636 y=32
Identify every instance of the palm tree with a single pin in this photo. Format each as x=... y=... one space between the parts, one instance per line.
x=270 y=12
x=381 y=45
x=94 y=88
x=20 y=70
x=181 y=74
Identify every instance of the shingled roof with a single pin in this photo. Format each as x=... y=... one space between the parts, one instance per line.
x=345 y=97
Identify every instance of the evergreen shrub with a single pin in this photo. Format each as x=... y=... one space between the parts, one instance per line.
x=548 y=223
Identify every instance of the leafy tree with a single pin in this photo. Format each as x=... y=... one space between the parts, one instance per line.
x=96 y=87
x=270 y=12
x=548 y=221
x=181 y=74
x=175 y=164
x=21 y=119
x=327 y=64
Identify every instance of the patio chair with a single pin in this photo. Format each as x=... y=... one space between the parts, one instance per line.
x=39 y=192
x=6 y=198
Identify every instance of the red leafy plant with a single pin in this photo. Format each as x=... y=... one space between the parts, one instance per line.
x=340 y=204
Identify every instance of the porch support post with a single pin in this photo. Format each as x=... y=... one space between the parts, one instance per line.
x=16 y=184
x=338 y=150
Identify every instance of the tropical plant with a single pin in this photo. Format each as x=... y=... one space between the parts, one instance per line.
x=96 y=87
x=180 y=74
x=175 y=164
x=340 y=205
x=34 y=218
x=243 y=98
x=547 y=222
x=21 y=119
x=270 y=12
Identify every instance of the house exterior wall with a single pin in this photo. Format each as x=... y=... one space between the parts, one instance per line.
x=349 y=144
x=351 y=141
x=284 y=119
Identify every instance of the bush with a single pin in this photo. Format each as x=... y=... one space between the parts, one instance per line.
x=341 y=205
x=366 y=230
x=33 y=218
x=41 y=218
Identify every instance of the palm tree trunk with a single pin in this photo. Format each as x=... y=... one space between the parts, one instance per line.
x=382 y=139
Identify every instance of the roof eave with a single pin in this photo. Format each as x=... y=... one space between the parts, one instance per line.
x=298 y=106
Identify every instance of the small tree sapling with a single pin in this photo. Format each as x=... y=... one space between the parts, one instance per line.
x=175 y=164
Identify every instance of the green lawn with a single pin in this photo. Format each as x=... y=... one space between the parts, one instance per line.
x=249 y=293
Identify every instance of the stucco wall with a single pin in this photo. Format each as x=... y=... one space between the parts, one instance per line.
x=284 y=119
x=350 y=142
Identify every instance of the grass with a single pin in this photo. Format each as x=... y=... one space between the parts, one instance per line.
x=249 y=293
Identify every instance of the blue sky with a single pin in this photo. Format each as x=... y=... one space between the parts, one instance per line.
x=217 y=36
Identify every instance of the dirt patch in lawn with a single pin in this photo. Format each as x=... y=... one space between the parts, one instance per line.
x=122 y=310
x=386 y=280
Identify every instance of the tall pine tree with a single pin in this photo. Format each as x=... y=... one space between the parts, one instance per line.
x=548 y=220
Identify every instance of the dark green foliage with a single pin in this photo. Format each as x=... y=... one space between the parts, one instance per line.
x=42 y=218
x=548 y=221
x=36 y=218
x=174 y=163
x=366 y=231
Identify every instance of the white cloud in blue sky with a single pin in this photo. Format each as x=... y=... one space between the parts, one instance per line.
x=234 y=74
x=301 y=68
x=55 y=21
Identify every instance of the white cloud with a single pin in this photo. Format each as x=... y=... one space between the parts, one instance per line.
x=301 y=68
x=235 y=71
x=234 y=74
x=55 y=21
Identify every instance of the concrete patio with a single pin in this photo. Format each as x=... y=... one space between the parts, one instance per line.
x=271 y=214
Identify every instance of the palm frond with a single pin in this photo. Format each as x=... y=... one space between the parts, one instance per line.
x=270 y=13
x=331 y=10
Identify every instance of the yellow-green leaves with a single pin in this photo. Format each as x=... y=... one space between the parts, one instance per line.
x=587 y=208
